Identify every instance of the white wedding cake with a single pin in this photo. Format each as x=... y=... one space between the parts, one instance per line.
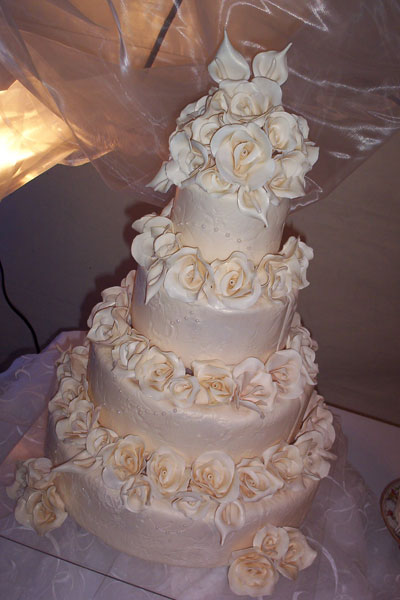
x=186 y=430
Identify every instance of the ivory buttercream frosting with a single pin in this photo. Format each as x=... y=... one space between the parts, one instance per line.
x=186 y=429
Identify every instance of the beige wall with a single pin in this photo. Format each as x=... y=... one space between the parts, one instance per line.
x=65 y=237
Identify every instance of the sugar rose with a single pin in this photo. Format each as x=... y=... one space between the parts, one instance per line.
x=126 y=354
x=34 y=473
x=211 y=181
x=254 y=384
x=42 y=510
x=252 y=573
x=250 y=100
x=285 y=461
x=213 y=473
x=284 y=131
x=183 y=391
x=243 y=155
x=98 y=438
x=299 y=555
x=215 y=379
x=272 y=541
x=285 y=367
x=235 y=284
x=122 y=459
x=256 y=481
x=167 y=472
x=155 y=369
x=186 y=274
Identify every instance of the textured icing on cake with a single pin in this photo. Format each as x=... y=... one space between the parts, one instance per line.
x=186 y=429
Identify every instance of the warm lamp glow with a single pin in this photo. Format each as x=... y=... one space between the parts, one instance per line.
x=32 y=138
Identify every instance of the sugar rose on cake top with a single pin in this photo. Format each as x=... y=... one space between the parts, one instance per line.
x=238 y=139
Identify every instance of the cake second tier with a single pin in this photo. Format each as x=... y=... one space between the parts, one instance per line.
x=202 y=331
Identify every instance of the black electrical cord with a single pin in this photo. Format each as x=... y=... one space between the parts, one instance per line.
x=15 y=309
x=163 y=32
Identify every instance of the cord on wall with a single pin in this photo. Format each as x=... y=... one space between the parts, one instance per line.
x=18 y=312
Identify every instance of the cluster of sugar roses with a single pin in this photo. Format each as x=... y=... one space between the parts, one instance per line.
x=162 y=375
x=276 y=550
x=232 y=283
x=238 y=139
x=213 y=483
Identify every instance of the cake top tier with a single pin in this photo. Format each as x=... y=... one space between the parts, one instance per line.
x=238 y=139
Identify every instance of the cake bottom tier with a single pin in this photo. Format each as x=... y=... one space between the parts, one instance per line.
x=161 y=533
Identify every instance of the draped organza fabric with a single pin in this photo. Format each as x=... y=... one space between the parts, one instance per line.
x=104 y=80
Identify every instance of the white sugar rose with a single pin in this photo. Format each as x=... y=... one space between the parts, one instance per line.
x=286 y=462
x=283 y=131
x=108 y=324
x=272 y=64
x=157 y=240
x=135 y=493
x=281 y=273
x=215 y=379
x=192 y=111
x=127 y=352
x=288 y=179
x=182 y=391
x=155 y=369
x=203 y=128
x=167 y=473
x=235 y=282
x=315 y=457
x=34 y=473
x=247 y=100
x=186 y=274
x=68 y=390
x=75 y=428
x=299 y=339
x=277 y=278
x=284 y=367
x=41 y=510
x=213 y=473
x=320 y=419
x=73 y=363
x=243 y=155
x=254 y=384
x=252 y=574
x=299 y=555
x=297 y=256
x=193 y=505
x=98 y=438
x=256 y=481
x=188 y=156
x=229 y=516
x=122 y=460
x=272 y=541
x=113 y=297
x=212 y=182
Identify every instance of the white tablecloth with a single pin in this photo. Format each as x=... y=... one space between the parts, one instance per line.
x=357 y=560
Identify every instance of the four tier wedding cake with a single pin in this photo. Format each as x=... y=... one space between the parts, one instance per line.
x=186 y=429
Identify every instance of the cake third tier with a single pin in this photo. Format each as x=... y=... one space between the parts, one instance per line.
x=227 y=308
